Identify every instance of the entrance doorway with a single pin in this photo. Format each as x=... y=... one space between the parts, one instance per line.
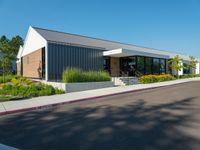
x=127 y=66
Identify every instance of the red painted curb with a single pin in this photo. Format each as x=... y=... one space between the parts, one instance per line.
x=77 y=100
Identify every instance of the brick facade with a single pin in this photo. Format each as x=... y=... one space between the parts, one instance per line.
x=32 y=64
x=19 y=68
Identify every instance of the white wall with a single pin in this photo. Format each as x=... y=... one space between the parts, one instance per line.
x=180 y=72
x=197 y=68
x=33 y=42
x=19 y=54
x=83 y=86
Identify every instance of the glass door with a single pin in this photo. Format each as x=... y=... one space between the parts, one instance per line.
x=127 y=66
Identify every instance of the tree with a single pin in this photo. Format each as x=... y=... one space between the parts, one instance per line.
x=176 y=64
x=14 y=44
x=5 y=63
x=192 y=63
x=9 y=48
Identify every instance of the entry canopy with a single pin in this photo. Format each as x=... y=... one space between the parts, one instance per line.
x=125 y=53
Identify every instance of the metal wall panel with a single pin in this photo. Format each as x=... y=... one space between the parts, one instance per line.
x=61 y=57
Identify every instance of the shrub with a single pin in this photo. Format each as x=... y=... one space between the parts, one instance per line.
x=189 y=76
x=156 y=78
x=32 y=90
x=72 y=75
x=76 y=75
x=19 y=80
x=6 y=78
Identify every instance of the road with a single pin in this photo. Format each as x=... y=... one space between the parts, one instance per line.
x=162 y=119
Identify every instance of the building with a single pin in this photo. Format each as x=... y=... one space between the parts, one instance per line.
x=19 y=60
x=46 y=53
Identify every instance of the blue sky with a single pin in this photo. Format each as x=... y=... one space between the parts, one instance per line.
x=172 y=25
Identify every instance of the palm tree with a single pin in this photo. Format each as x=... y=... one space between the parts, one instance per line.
x=176 y=64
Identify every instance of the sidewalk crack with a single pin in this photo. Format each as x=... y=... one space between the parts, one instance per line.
x=3 y=106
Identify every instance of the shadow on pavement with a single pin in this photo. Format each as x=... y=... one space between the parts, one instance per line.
x=136 y=126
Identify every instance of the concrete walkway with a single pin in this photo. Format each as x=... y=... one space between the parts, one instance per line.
x=48 y=101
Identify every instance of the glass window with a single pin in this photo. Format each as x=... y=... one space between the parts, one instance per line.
x=169 y=68
x=127 y=66
x=140 y=64
x=162 y=66
x=186 y=70
x=156 y=66
x=148 y=65
x=131 y=66
x=106 y=64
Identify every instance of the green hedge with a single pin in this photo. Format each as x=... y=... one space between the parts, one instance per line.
x=189 y=76
x=76 y=75
x=156 y=78
x=33 y=90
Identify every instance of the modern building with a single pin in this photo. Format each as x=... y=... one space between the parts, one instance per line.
x=46 y=53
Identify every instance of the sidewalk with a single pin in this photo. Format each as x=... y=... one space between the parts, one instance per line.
x=49 y=101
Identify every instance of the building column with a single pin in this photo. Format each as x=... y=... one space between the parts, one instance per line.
x=115 y=66
x=197 y=68
x=180 y=72
x=19 y=68
x=46 y=62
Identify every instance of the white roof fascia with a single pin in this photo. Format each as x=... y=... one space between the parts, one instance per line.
x=33 y=42
x=125 y=52
x=19 y=54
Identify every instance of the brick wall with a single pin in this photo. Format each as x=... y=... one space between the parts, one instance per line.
x=32 y=64
x=19 y=68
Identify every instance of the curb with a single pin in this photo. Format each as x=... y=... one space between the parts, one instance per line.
x=80 y=100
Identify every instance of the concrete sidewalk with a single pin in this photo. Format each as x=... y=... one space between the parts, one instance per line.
x=48 y=101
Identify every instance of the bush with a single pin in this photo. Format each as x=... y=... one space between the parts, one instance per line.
x=76 y=75
x=189 y=76
x=156 y=78
x=6 y=78
x=33 y=90
x=19 y=80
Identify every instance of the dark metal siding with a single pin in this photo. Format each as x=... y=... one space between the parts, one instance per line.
x=62 y=56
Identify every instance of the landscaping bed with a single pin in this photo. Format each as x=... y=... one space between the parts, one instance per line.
x=75 y=80
x=164 y=77
x=156 y=78
x=74 y=75
x=21 y=87
x=189 y=76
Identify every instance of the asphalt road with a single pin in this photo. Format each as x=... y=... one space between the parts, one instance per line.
x=162 y=119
